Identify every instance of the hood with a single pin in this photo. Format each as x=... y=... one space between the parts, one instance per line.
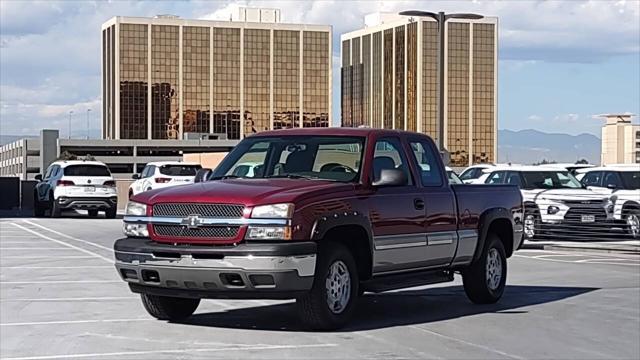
x=249 y=192
x=562 y=194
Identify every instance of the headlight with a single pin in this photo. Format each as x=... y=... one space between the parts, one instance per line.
x=275 y=211
x=135 y=209
x=135 y=230
x=268 y=233
x=553 y=210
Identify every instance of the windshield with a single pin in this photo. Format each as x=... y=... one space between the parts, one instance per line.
x=86 y=170
x=630 y=179
x=453 y=178
x=472 y=173
x=179 y=170
x=335 y=158
x=549 y=180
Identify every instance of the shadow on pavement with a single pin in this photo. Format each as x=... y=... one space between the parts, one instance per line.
x=375 y=311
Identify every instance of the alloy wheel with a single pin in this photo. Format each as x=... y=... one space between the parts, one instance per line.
x=494 y=269
x=338 y=286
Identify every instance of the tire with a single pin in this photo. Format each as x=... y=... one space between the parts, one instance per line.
x=93 y=213
x=632 y=219
x=55 y=208
x=314 y=310
x=111 y=213
x=38 y=208
x=479 y=287
x=169 y=308
x=130 y=194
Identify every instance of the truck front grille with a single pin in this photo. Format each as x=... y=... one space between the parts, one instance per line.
x=204 y=210
x=205 y=232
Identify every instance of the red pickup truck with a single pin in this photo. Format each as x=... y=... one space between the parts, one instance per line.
x=320 y=216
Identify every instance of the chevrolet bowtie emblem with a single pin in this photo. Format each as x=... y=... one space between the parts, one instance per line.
x=192 y=221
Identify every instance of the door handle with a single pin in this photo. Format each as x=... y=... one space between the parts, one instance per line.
x=418 y=204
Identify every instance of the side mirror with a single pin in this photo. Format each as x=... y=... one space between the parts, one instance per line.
x=38 y=177
x=135 y=176
x=202 y=175
x=391 y=177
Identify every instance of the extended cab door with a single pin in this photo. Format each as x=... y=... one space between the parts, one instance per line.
x=397 y=213
x=440 y=204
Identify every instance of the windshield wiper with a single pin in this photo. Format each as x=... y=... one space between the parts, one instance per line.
x=224 y=177
x=293 y=176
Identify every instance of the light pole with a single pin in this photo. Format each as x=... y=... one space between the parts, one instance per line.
x=69 y=134
x=88 y=111
x=441 y=19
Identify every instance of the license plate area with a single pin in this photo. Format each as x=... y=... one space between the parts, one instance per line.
x=588 y=218
x=89 y=189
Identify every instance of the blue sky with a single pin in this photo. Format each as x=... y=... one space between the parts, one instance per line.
x=560 y=62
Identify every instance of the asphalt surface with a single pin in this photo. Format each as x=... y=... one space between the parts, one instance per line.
x=60 y=298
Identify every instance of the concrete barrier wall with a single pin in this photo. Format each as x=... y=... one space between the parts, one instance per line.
x=9 y=193
x=122 y=187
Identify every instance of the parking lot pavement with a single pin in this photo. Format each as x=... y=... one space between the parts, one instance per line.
x=60 y=297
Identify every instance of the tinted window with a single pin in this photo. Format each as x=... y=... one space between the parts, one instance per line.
x=611 y=180
x=389 y=155
x=470 y=174
x=86 y=170
x=592 y=178
x=497 y=177
x=427 y=164
x=49 y=172
x=179 y=170
x=630 y=179
x=549 y=180
x=513 y=178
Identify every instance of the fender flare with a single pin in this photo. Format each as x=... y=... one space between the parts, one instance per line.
x=488 y=217
x=325 y=223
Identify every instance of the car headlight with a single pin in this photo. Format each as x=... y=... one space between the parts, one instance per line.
x=268 y=233
x=275 y=211
x=135 y=209
x=551 y=210
x=135 y=230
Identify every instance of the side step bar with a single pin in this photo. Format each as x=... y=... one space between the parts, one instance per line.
x=406 y=280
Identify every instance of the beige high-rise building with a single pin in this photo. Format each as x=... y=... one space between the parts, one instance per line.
x=390 y=80
x=620 y=139
x=171 y=78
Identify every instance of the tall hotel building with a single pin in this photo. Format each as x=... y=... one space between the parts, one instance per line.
x=390 y=80
x=167 y=78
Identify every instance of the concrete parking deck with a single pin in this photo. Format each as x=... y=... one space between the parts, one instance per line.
x=60 y=298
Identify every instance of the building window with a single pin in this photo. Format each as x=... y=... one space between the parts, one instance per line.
x=366 y=79
x=483 y=93
x=226 y=82
x=346 y=118
x=195 y=72
x=400 y=79
x=458 y=93
x=412 y=75
x=286 y=79
x=165 y=93
x=430 y=79
x=376 y=88
x=388 y=79
x=315 y=80
x=256 y=81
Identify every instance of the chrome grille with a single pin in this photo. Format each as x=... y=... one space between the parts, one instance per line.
x=218 y=232
x=204 y=210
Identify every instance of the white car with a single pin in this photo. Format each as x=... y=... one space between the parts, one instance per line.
x=453 y=177
x=556 y=202
x=161 y=174
x=473 y=172
x=78 y=185
x=622 y=184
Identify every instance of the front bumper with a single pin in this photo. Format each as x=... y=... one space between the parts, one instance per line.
x=244 y=271
x=87 y=203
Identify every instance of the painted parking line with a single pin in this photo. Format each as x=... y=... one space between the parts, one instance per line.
x=129 y=354
x=60 y=242
x=68 y=236
x=55 y=257
x=53 y=282
x=19 y=267
x=104 y=298
x=607 y=261
x=35 y=248
x=70 y=322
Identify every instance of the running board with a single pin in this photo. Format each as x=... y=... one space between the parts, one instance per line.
x=406 y=280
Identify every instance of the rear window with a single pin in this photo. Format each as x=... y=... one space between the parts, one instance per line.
x=86 y=170
x=631 y=179
x=179 y=170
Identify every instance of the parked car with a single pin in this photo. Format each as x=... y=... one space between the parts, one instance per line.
x=77 y=185
x=571 y=167
x=622 y=184
x=332 y=213
x=473 y=172
x=556 y=203
x=156 y=175
x=453 y=177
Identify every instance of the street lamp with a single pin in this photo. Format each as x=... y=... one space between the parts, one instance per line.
x=69 y=134
x=441 y=18
x=88 y=111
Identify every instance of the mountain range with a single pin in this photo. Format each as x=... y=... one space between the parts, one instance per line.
x=532 y=146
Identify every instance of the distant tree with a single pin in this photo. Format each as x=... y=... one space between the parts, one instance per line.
x=582 y=161
x=67 y=156
x=89 y=157
x=545 y=162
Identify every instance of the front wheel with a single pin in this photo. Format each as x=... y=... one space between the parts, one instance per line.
x=111 y=213
x=93 y=213
x=484 y=281
x=330 y=303
x=633 y=223
x=169 y=308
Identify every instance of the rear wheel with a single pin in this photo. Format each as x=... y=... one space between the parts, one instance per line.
x=330 y=303
x=169 y=308
x=111 y=213
x=484 y=281
x=93 y=213
x=632 y=219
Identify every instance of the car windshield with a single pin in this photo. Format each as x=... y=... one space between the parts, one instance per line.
x=630 y=179
x=334 y=158
x=179 y=170
x=86 y=170
x=453 y=178
x=549 y=180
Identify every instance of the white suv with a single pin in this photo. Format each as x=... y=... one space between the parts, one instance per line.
x=162 y=174
x=76 y=184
